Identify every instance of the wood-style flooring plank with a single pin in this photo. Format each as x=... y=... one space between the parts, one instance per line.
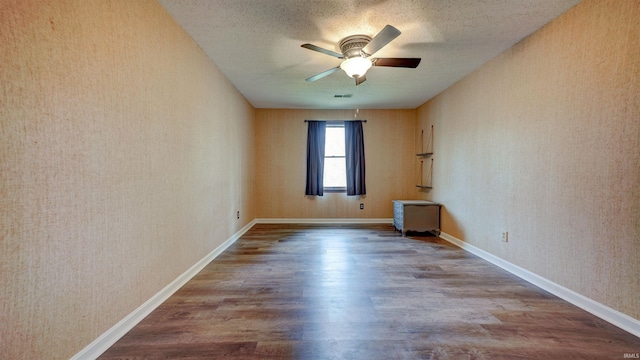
x=363 y=292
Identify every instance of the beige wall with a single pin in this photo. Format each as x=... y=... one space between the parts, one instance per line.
x=124 y=156
x=544 y=142
x=281 y=137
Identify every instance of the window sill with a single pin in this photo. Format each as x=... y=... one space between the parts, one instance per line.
x=335 y=189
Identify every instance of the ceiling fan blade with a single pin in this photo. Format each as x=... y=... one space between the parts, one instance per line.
x=361 y=79
x=323 y=74
x=397 y=62
x=384 y=37
x=321 y=50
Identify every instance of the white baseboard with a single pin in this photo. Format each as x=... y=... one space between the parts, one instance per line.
x=106 y=340
x=324 y=221
x=604 y=312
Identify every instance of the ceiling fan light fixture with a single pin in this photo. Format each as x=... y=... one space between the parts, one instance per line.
x=356 y=66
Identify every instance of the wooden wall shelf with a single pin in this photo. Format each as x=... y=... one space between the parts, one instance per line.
x=425 y=154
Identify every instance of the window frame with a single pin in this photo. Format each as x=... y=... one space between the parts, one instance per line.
x=335 y=189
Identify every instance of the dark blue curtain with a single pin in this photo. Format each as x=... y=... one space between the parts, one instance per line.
x=354 y=151
x=315 y=157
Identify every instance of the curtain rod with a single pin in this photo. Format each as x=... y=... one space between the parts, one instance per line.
x=336 y=120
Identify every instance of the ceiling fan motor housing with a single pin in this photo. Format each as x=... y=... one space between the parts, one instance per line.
x=351 y=46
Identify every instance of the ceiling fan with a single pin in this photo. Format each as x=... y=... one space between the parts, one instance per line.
x=357 y=51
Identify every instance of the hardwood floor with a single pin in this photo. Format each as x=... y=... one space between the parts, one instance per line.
x=363 y=292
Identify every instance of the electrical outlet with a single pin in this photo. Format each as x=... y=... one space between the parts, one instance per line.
x=238 y=215
x=361 y=206
x=505 y=236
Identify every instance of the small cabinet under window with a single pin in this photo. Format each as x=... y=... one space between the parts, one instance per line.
x=416 y=215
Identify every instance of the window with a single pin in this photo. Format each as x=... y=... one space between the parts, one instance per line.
x=335 y=158
x=335 y=169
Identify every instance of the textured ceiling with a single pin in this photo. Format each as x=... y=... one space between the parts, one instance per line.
x=256 y=44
